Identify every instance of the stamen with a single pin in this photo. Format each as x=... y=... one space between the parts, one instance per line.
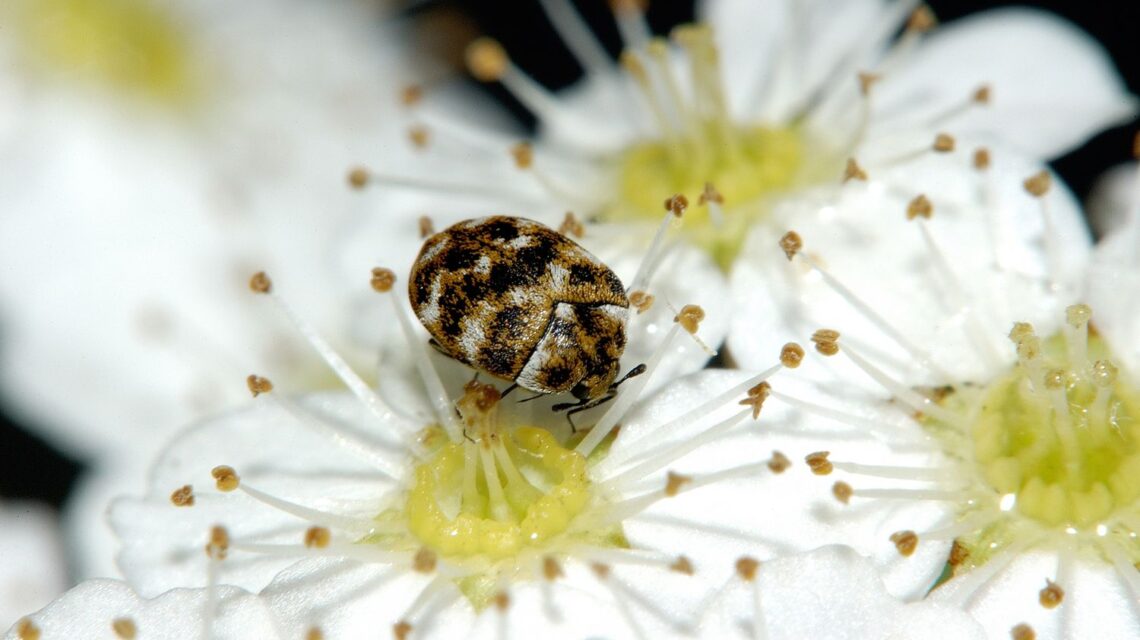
x=1077 y=335
x=978 y=97
x=872 y=425
x=896 y=472
x=675 y=206
x=227 y=480
x=939 y=495
x=577 y=36
x=572 y=226
x=488 y=62
x=631 y=22
x=1103 y=377
x=631 y=62
x=1124 y=567
x=714 y=202
x=1038 y=186
x=427 y=228
x=1051 y=595
x=906 y=542
x=971 y=584
x=914 y=400
x=27 y=630
x=971 y=524
x=853 y=172
x=675 y=483
x=360 y=177
x=1022 y=632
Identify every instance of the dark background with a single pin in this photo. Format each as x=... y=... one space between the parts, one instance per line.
x=31 y=469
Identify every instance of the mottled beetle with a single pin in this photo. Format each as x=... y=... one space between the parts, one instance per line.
x=524 y=303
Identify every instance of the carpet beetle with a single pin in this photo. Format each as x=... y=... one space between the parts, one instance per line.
x=522 y=302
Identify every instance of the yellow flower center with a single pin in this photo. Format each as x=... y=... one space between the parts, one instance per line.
x=134 y=46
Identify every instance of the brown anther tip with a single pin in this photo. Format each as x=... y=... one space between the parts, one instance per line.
x=1054 y=379
x=523 y=153
x=943 y=143
x=842 y=492
x=641 y=301
x=756 y=397
x=258 y=385
x=260 y=283
x=486 y=59
x=921 y=20
x=981 y=159
x=1051 y=596
x=639 y=6
x=27 y=630
x=572 y=226
x=427 y=228
x=983 y=94
x=419 y=136
x=819 y=463
x=382 y=279
x=1022 y=632
x=502 y=601
x=853 y=171
x=600 y=570
x=1136 y=146
x=779 y=462
x=682 y=565
x=674 y=482
x=401 y=630
x=314 y=633
x=632 y=64
x=125 y=628
x=710 y=194
x=690 y=317
x=958 y=554
x=219 y=545
x=317 y=537
x=826 y=341
x=425 y=560
x=747 y=568
x=225 y=478
x=866 y=82
x=1038 y=184
x=1020 y=331
x=411 y=95
x=183 y=496
x=677 y=203
x=791 y=355
x=551 y=570
x=358 y=177
x=791 y=243
x=906 y=542
x=919 y=207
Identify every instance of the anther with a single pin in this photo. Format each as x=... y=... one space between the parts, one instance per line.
x=260 y=283
x=411 y=95
x=427 y=228
x=600 y=570
x=1136 y=146
x=486 y=60
x=676 y=204
x=401 y=630
x=641 y=301
x=746 y=568
x=983 y=94
x=853 y=171
x=1104 y=373
x=125 y=628
x=219 y=545
x=183 y=496
x=958 y=554
x=791 y=355
x=314 y=633
x=225 y=478
x=1051 y=595
x=1054 y=379
x=27 y=630
x=572 y=226
x=906 y=542
x=921 y=20
x=317 y=538
x=943 y=143
x=419 y=136
x=425 y=560
x=674 y=482
x=819 y=463
x=690 y=317
x=866 y=81
x=523 y=154
x=1022 y=632
x=710 y=194
x=258 y=385
x=1077 y=315
x=358 y=177
x=779 y=462
x=382 y=279
x=981 y=159
x=682 y=565
x=1038 y=184
x=791 y=243
x=826 y=341
x=919 y=207
x=756 y=397
x=551 y=570
x=502 y=600
x=1020 y=331
x=842 y=491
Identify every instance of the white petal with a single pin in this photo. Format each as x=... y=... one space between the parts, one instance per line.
x=1053 y=86
x=90 y=609
x=32 y=566
x=1113 y=199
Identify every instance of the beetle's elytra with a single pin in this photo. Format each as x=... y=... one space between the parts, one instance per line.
x=522 y=302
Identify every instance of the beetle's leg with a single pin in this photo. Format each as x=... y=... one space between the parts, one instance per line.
x=582 y=405
x=514 y=385
x=534 y=397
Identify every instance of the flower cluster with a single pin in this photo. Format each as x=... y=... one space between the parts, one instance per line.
x=923 y=419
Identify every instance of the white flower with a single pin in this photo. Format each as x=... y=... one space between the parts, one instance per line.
x=110 y=609
x=758 y=103
x=154 y=152
x=352 y=514
x=31 y=566
x=968 y=417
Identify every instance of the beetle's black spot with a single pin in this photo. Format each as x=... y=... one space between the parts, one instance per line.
x=581 y=274
x=502 y=230
x=511 y=321
x=458 y=258
x=476 y=287
x=557 y=376
x=498 y=359
x=532 y=260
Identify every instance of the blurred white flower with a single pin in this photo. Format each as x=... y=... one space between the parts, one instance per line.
x=32 y=564
x=969 y=418
x=155 y=153
x=757 y=103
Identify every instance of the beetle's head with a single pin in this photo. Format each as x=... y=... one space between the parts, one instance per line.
x=597 y=381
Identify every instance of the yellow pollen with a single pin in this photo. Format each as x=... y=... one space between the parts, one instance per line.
x=826 y=341
x=260 y=283
x=920 y=207
x=427 y=228
x=1022 y=632
x=791 y=243
x=747 y=568
x=905 y=542
x=982 y=159
x=219 y=545
x=819 y=463
x=358 y=177
x=382 y=279
x=317 y=537
x=486 y=60
x=853 y=171
x=225 y=478
x=842 y=492
x=572 y=226
x=682 y=565
x=401 y=630
x=1051 y=595
x=674 y=483
x=551 y=570
x=258 y=385
x=124 y=628
x=791 y=355
x=425 y=561
x=641 y=301
x=183 y=496
x=27 y=630
x=943 y=143
x=1038 y=184
x=779 y=462
x=690 y=317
